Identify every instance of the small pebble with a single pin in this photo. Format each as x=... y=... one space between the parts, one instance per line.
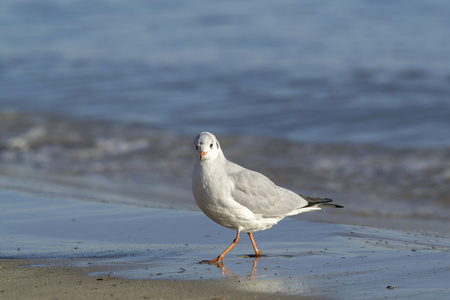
x=391 y=287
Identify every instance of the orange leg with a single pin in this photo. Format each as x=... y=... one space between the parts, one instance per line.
x=257 y=252
x=220 y=257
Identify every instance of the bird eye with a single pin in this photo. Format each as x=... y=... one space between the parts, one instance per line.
x=211 y=146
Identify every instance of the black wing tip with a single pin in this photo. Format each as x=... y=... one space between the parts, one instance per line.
x=320 y=202
x=327 y=205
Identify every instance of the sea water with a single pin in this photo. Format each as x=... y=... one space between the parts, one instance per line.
x=330 y=97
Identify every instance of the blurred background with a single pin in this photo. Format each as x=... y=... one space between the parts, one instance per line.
x=347 y=99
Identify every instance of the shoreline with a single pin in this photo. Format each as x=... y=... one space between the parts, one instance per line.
x=99 y=190
x=65 y=241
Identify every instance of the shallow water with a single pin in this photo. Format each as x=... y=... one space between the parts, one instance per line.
x=299 y=257
x=141 y=165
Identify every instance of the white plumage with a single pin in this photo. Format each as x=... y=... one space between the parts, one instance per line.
x=238 y=198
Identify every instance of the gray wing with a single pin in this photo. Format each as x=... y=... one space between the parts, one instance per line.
x=260 y=195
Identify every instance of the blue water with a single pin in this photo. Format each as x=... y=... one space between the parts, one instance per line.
x=309 y=71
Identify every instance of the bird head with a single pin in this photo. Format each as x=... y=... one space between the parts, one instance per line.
x=206 y=146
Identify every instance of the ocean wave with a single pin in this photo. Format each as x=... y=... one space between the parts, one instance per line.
x=396 y=182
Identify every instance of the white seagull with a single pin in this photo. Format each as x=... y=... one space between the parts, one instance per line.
x=241 y=199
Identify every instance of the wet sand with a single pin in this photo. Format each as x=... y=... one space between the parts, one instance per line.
x=53 y=247
x=20 y=281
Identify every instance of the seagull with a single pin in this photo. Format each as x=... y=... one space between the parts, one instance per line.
x=241 y=199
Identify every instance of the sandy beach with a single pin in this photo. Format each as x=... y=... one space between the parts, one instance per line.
x=53 y=247
x=20 y=281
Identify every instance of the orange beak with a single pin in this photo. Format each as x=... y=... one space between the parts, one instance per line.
x=202 y=154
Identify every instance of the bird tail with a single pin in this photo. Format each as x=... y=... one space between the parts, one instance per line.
x=320 y=202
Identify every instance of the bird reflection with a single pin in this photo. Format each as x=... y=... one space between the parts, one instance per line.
x=227 y=272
